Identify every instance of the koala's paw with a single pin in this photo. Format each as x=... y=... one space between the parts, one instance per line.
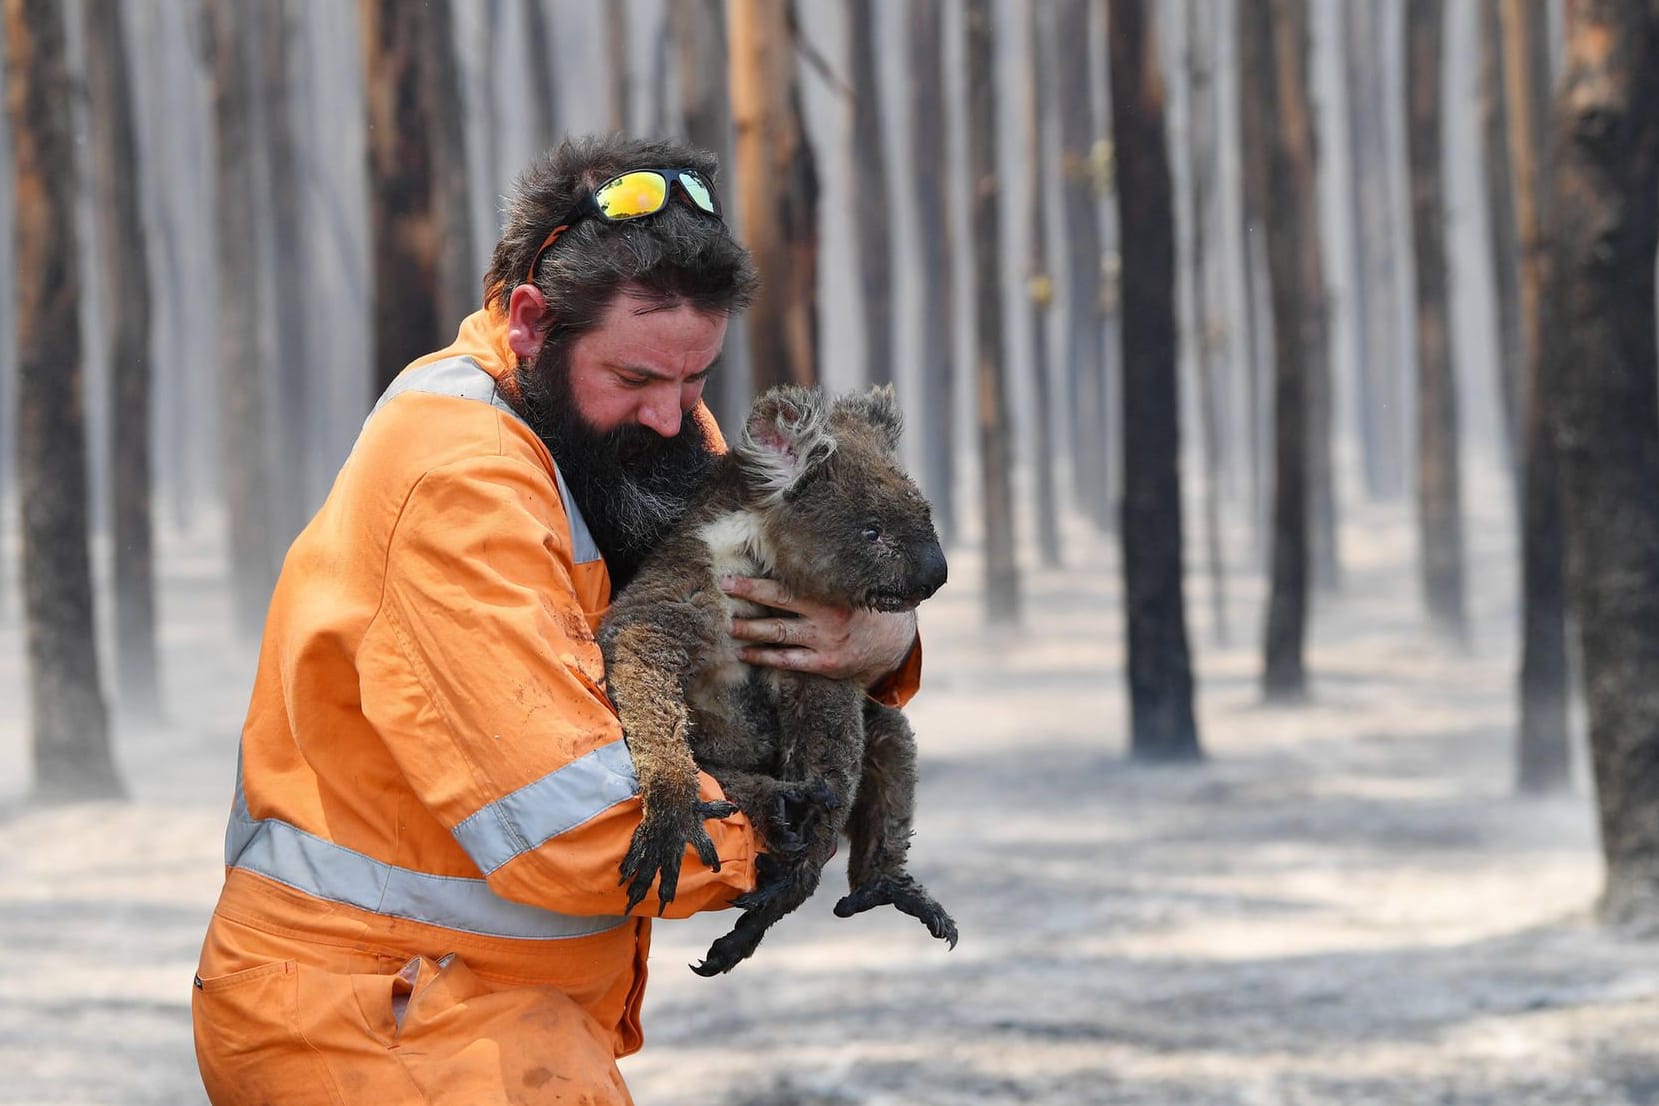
x=735 y=947
x=659 y=846
x=906 y=895
x=795 y=814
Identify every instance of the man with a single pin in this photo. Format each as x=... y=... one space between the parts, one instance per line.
x=422 y=901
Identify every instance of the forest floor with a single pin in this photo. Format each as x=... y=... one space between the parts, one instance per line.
x=1344 y=903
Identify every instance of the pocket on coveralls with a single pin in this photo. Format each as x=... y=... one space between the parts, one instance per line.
x=247 y=1046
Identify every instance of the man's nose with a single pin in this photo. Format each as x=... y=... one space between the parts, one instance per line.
x=661 y=416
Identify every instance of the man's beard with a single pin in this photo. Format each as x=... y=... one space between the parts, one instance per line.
x=631 y=484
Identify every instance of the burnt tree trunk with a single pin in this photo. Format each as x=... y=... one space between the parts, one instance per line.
x=1377 y=302
x=1041 y=286
x=699 y=29
x=403 y=183
x=1543 y=760
x=1284 y=89
x=1321 y=483
x=616 y=53
x=1203 y=157
x=1085 y=346
x=867 y=163
x=1439 y=479
x=1002 y=584
x=243 y=429
x=931 y=192
x=70 y=726
x=460 y=285
x=543 y=74
x=1255 y=73
x=1606 y=420
x=1160 y=668
x=293 y=402
x=1501 y=224
x=127 y=296
x=778 y=192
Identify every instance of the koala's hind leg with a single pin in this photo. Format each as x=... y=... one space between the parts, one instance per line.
x=788 y=813
x=823 y=738
x=643 y=674
x=880 y=827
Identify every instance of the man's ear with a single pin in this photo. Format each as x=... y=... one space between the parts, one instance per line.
x=526 y=320
x=786 y=437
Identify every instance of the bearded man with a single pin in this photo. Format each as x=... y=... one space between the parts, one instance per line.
x=422 y=900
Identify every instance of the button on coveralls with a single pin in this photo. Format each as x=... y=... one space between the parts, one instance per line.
x=421 y=900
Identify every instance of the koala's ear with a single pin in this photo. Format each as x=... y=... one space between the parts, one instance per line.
x=880 y=409
x=786 y=437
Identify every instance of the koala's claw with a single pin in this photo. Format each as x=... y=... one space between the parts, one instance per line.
x=658 y=847
x=907 y=896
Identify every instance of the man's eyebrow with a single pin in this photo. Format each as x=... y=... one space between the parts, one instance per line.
x=653 y=374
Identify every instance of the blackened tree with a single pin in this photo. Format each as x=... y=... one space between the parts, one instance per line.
x=1160 y=667
x=1606 y=419
x=70 y=724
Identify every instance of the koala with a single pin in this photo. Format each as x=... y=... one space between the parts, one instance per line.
x=812 y=496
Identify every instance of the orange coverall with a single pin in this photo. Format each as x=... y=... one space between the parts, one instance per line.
x=422 y=900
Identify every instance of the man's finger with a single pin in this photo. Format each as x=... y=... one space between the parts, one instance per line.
x=768 y=593
x=796 y=660
x=773 y=631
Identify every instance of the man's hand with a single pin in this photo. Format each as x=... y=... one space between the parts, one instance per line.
x=815 y=637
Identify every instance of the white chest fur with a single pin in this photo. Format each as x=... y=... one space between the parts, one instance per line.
x=737 y=546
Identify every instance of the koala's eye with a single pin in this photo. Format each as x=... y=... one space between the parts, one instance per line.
x=872 y=534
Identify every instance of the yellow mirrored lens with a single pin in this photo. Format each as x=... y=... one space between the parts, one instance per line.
x=632 y=195
x=698 y=190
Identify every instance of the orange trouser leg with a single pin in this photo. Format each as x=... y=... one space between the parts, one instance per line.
x=432 y=1033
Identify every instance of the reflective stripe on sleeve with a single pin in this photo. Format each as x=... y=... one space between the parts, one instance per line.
x=320 y=868
x=540 y=811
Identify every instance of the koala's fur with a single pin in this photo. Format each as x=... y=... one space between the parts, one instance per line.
x=813 y=497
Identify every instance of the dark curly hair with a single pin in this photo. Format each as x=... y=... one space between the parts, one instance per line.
x=679 y=255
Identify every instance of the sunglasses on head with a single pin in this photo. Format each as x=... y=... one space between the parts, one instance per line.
x=633 y=195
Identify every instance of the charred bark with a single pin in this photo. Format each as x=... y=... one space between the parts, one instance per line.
x=127 y=296
x=1543 y=749
x=1371 y=200
x=1082 y=177
x=1606 y=419
x=542 y=75
x=778 y=193
x=616 y=52
x=867 y=163
x=292 y=406
x=70 y=725
x=1002 y=585
x=1255 y=69
x=931 y=192
x=1287 y=200
x=460 y=285
x=1041 y=286
x=1204 y=160
x=244 y=435
x=1439 y=476
x=1160 y=667
x=1501 y=224
x=403 y=188
x=699 y=29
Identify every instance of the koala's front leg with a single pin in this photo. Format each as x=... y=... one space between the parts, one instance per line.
x=880 y=827
x=643 y=668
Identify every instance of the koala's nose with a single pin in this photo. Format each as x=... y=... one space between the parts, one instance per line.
x=932 y=570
